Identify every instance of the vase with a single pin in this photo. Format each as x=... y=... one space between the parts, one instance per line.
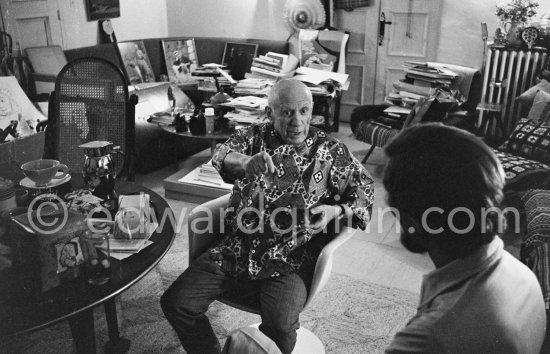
x=513 y=33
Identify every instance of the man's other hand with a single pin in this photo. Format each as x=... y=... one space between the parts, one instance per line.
x=259 y=164
x=321 y=215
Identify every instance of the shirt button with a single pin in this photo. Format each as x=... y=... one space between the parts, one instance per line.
x=252 y=251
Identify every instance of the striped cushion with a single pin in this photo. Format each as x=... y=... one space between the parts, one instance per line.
x=374 y=134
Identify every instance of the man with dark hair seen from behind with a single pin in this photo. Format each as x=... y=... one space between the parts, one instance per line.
x=283 y=171
x=480 y=299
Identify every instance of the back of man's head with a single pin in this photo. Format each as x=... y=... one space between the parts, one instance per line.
x=445 y=179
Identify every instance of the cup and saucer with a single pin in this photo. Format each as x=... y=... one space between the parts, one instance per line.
x=44 y=174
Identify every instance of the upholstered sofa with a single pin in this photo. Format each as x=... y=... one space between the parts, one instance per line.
x=154 y=147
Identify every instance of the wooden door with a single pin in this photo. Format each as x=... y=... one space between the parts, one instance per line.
x=362 y=24
x=32 y=23
x=412 y=35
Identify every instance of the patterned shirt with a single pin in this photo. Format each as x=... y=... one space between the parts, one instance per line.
x=266 y=232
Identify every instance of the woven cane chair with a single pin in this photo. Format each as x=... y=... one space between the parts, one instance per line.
x=91 y=102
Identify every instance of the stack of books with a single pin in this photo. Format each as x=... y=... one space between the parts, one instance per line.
x=248 y=109
x=252 y=86
x=422 y=74
x=421 y=80
x=272 y=66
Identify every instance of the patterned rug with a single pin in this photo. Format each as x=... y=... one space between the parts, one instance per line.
x=348 y=316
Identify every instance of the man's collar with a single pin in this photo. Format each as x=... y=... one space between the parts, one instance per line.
x=441 y=279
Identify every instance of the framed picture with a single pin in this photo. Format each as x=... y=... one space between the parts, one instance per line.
x=136 y=62
x=101 y=9
x=238 y=58
x=180 y=56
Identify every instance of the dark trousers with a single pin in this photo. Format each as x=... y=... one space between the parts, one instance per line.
x=281 y=299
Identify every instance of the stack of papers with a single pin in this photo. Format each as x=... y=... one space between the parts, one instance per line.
x=253 y=86
x=425 y=75
x=248 y=103
x=316 y=77
x=123 y=248
x=206 y=175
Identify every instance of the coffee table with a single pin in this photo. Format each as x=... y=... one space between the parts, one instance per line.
x=214 y=138
x=74 y=301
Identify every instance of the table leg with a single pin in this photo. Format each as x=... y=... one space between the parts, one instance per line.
x=116 y=343
x=83 y=332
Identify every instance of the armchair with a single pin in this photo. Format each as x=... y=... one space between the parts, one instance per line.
x=199 y=242
x=378 y=135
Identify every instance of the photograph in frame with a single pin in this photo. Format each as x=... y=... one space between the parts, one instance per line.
x=238 y=58
x=102 y=9
x=136 y=62
x=181 y=59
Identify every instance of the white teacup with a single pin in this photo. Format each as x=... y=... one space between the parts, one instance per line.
x=42 y=171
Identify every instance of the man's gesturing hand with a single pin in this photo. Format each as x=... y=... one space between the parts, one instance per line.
x=258 y=164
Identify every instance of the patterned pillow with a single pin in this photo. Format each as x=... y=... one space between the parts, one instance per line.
x=517 y=167
x=528 y=96
x=540 y=110
x=530 y=139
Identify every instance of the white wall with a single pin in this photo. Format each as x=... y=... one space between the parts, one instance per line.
x=459 y=42
x=138 y=19
x=259 y=19
x=460 y=37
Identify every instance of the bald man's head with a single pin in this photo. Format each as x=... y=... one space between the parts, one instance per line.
x=290 y=105
x=288 y=90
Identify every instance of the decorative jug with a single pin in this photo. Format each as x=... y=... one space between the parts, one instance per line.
x=99 y=169
x=513 y=33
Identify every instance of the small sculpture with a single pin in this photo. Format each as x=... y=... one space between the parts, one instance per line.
x=181 y=123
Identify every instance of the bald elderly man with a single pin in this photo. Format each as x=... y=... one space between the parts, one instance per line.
x=291 y=183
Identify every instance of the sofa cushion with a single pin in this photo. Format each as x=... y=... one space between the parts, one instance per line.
x=530 y=139
x=522 y=173
x=526 y=98
x=540 y=110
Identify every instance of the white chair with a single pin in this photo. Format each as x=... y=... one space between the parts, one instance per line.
x=307 y=342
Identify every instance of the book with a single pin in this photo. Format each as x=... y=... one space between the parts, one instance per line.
x=281 y=59
x=271 y=63
x=432 y=73
x=267 y=72
x=266 y=67
x=397 y=110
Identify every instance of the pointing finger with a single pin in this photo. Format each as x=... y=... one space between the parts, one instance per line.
x=270 y=166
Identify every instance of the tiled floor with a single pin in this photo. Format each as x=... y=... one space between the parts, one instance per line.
x=374 y=255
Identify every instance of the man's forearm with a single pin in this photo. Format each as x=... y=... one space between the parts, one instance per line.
x=234 y=163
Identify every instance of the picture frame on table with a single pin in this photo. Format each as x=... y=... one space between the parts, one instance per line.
x=137 y=66
x=180 y=56
x=102 y=9
x=237 y=57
